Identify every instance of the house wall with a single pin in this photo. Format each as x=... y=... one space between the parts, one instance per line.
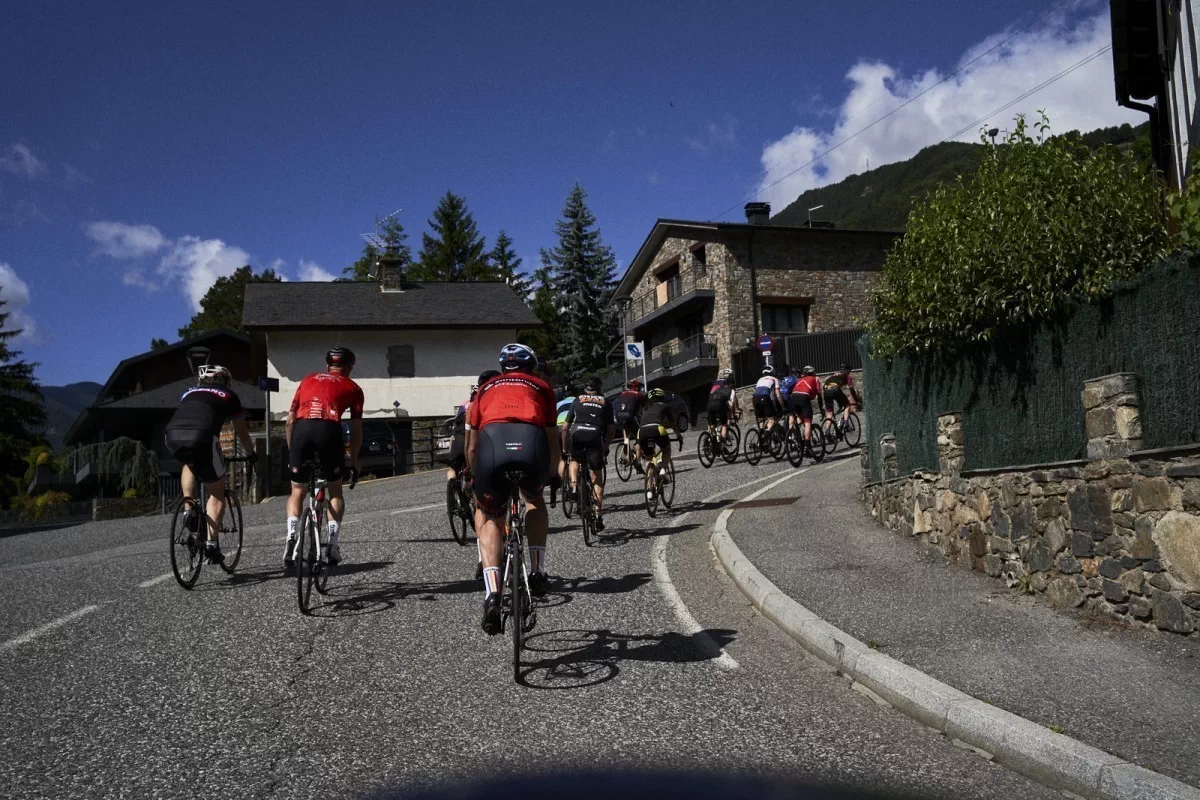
x=446 y=365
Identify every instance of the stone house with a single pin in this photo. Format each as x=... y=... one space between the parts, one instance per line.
x=697 y=293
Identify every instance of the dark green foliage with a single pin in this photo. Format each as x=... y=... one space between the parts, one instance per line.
x=545 y=341
x=883 y=198
x=21 y=412
x=506 y=265
x=159 y=344
x=63 y=404
x=1043 y=223
x=1020 y=393
x=456 y=251
x=581 y=275
x=395 y=250
x=135 y=464
x=221 y=306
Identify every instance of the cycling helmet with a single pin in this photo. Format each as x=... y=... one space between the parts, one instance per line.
x=214 y=374
x=656 y=394
x=515 y=357
x=725 y=374
x=844 y=368
x=810 y=371
x=592 y=384
x=768 y=370
x=342 y=357
x=486 y=376
x=635 y=384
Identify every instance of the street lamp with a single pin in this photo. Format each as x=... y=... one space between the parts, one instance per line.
x=814 y=208
x=992 y=133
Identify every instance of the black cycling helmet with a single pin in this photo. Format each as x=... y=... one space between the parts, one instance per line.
x=592 y=384
x=486 y=376
x=843 y=368
x=342 y=357
x=518 y=357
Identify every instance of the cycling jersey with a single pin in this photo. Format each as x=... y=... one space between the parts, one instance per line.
x=513 y=397
x=808 y=385
x=766 y=385
x=460 y=418
x=838 y=380
x=326 y=395
x=562 y=408
x=786 y=385
x=206 y=408
x=590 y=412
x=720 y=393
x=629 y=402
x=658 y=414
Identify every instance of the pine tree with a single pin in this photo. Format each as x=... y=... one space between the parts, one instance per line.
x=545 y=342
x=221 y=306
x=392 y=232
x=456 y=251
x=582 y=275
x=506 y=265
x=21 y=412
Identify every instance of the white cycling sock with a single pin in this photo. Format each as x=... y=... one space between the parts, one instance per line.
x=334 y=530
x=491 y=581
x=293 y=525
x=537 y=559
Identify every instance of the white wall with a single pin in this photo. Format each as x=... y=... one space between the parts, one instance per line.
x=447 y=364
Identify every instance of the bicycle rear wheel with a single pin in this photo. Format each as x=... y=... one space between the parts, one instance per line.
x=753 y=449
x=321 y=565
x=454 y=510
x=666 y=483
x=795 y=447
x=187 y=548
x=777 y=438
x=569 y=500
x=706 y=449
x=816 y=446
x=829 y=431
x=231 y=531
x=587 y=511
x=306 y=553
x=518 y=598
x=853 y=431
x=623 y=462
x=651 y=491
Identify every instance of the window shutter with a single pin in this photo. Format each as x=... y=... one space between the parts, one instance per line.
x=401 y=362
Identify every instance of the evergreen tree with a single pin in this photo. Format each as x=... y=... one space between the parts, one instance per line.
x=456 y=250
x=506 y=265
x=221 y=306
x=545 y=342
x=394 y=247
x=159 y=344
x=582 y=275
x=21 y=412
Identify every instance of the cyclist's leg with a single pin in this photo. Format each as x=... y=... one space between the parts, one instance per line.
x=215 y=507
x=188 y=483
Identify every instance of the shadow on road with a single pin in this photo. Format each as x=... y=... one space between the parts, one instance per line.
x=619 y=537
x=255 y=577
x=370 y=598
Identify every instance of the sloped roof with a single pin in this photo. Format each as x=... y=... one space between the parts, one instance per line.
x=361 y=304
x=167 y=396
x=183 y=345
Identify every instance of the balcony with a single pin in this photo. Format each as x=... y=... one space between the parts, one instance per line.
x=676 y=358
x=677 y=293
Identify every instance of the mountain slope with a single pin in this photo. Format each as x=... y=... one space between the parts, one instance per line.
x=63 y=404
x=883 y=197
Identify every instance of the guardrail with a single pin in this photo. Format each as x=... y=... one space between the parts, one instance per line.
x=677 y=286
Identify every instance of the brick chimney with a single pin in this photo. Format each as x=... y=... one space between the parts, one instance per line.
x=391 y=274
x=758 y=213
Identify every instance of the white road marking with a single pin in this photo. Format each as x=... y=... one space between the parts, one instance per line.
x=662 y=578
x=418 y=508
x=156 y=581
x=29 y=636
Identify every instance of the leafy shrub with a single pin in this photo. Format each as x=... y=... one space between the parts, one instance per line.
x=1185 y=211
x=40 y=506
x=136 y=464
x=1042 y=223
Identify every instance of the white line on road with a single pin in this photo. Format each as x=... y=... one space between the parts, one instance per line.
x=156 y=581
x=29 y=636
x=418 y=508
x=662 y=577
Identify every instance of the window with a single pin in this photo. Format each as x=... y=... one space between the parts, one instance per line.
x=699 y=259
x=401 y=362
x=785 y=319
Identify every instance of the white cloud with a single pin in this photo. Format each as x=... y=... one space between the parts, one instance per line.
x=1081 y=100
x=124 y=241
x=15 y=294
x=312 y=271
x=196 y=264
x=20 y=160
x=715 y=134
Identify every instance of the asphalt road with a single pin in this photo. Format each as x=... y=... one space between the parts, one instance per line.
x=142 y=689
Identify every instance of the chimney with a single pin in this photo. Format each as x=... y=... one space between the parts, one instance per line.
x=758 y=213
x=391 y=274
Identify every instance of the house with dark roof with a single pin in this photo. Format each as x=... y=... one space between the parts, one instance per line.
x=698 y=293
x=419 y=346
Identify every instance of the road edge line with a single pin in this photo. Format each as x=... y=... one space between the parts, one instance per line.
x=1052 y=759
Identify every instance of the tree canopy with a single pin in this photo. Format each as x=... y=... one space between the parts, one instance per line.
x=506 y=266
x=455 y=251
x=221 y=306
x=395 y=248
x=21 y=411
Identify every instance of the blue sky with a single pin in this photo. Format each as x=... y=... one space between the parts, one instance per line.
x=146 y=148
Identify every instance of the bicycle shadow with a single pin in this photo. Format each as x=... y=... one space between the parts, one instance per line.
x=244 y=578
x=350 y=600
x=619 y=537
x=573 y=658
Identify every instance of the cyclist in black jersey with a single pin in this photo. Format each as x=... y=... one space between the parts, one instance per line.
x=590 y=425
x=193 y=438
x=656 y=428
x=722 y=402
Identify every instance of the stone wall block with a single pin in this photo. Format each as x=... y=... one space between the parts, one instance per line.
x=1112 y=422
x=1177 y=536
x=1090 y=509
x=950 y=444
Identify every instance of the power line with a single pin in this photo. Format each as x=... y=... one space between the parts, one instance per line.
x=912 y=99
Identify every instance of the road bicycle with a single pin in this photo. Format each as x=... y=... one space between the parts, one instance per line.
x=708 y=449
x=516 y=607
x=567 y=489
x=312 y=545
x=187 y=546
x=760 y=441
x=660 y=483
x=587 y=504
x=460 y=505
x=848 y=430
x=623 y=459
x=797 y=447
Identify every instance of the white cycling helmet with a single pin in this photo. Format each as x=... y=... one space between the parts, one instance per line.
x=214 y=373
x=725 y=374
x=768 y=370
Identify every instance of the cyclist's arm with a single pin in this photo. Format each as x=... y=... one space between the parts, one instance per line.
x=356 y=439
x=287 y=429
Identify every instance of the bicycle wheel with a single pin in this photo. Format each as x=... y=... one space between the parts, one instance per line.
x=651 y=492
x=518 y=599
x=569 y=500
x=816 y=445
x=753 y=450
x=231 y=531
x=777 y=438
x=306 y=551
x=733 y=440
x=321 y=566
x=454 y=510
x=666 y=483
x=623 y=462
x=795 y=448
x=853 y=432
x=187 y=548
x=706 y=448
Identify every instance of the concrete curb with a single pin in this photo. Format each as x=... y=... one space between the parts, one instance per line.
x=1052 y=759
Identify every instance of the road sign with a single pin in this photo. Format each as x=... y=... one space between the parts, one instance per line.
x=766 y=343
x=268 y=384
x=634 y=352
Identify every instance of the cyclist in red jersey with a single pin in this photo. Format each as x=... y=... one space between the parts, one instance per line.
x=512 y=425
x=314 y=433
x=806 y=388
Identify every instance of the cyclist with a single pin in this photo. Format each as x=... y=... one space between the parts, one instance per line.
x=786 y=384
x=836 y=386
x=768 y=402
x=314 y=433
x=193 y=438
x=627 y=412
x=590 y=422
x=655 y=429
x=458 y=448
x=566 y=399
x=511 y=425
x=722 y=402
x=803 y=393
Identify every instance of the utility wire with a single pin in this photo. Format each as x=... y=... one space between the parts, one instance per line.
x=912 y=99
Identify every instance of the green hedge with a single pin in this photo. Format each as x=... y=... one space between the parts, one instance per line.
x=1020 y=394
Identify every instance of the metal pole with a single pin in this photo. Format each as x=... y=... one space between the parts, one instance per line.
x=625 y=341
x=267 y=459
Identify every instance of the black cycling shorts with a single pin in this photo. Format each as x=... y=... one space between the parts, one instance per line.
x=319 y=440
x=835 y=394
x=801 y=406
x=765 y=406
x=718 y=411
x=588 y=445
x=458 y=452
x=627 y=424
x=199 y=450
x=504 y=446
x=651 y=436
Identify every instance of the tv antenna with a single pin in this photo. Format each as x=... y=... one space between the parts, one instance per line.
x=374 y=239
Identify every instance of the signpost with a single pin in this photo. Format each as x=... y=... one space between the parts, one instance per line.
x=635 y=355
x=268 y=385
x=767 y=345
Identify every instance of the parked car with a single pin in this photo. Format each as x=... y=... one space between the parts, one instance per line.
x=443 y=439
x=679 y=411
x=380 y=452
